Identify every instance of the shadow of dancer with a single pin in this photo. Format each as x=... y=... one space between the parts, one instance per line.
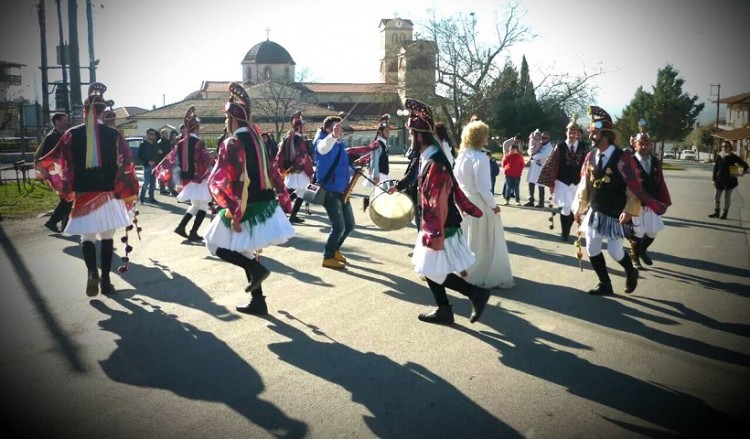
x=523 y=346
x=406 y=400
x=156 y=350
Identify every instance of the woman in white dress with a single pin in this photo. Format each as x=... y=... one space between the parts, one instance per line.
x=484 y=235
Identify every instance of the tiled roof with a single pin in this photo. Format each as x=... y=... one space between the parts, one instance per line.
x=125 y=112
x=385 y=21
x=268 y=52
x=11 y=64
x=738 y=99
x=343 y=87
x=215 y=86
x=738 y=134
x=212 y=108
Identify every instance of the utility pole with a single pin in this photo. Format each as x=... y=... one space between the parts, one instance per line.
x=75 y=62
x=92 y=61
x=718 y=98
x=63 y=61
x=45 y=80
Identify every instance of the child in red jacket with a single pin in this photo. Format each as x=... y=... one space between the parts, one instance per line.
x=513 y=165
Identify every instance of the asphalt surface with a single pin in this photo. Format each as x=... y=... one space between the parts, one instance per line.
x=342 y=353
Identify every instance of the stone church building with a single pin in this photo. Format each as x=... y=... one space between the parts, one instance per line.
x=407 y=68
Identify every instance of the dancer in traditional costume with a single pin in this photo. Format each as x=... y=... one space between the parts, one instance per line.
x=440 y=253
x=648 y=224
x=295 y=163
x=189 y=164
x=562 y=173
x=92 y=166
x=248 y=194
x=608 y=197
x=379 y=166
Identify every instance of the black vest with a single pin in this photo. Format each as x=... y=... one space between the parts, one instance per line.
x=647 y=180
x=383 y=164
x=190 y=172
x=609 y=198
x=454 y=216
x=569 y=170
x=254 y=192
x=101 y=178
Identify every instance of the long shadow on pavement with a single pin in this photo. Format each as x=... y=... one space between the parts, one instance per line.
x=524 y=347
x=406 y=400
x=26 y=278
x=158 y=351
x=610 y=312
x=161 y=283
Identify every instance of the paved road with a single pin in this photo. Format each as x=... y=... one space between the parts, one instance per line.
x=343 y=355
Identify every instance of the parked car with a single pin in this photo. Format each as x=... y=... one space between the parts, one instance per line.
x=669 y=155
x=688 y=155
x=134 y=143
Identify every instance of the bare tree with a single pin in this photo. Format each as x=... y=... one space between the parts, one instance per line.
x=573 y=93
x=466 y=67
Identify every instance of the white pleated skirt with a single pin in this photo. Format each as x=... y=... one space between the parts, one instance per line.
x=563 y=196
x=297 y=180
x=194 y=192
x=253 y=237
x=109 y=216
x=438 y=264
x=647 y=222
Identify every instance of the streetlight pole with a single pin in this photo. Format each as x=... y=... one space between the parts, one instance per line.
x=718 y=98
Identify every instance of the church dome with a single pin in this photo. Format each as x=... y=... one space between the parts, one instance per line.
x=268 y=52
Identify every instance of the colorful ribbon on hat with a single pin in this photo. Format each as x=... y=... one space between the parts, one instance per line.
x=93 y=147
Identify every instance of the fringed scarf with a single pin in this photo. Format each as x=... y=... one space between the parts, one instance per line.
x=184 y=153
x=265 y=178
x=93 y=147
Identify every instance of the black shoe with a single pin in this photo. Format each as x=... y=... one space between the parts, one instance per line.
x=256 y=274
x=441 y=315
x=174 y=193
x=257 y=307
x=294 y=219
x=529 y=203
x=106 y=286
x=723 y=215
x=715 y=214
x=194 y=237
x=92 y=284
x=52 y=226
x=632 y=281
x=181 y=231
x=646 y=258
x=564 y=238
x=479 y=297
x=164 y=192
x=602 y=289
x=540 y=205
x=152 y=200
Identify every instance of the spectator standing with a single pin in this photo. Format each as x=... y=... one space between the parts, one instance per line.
x=494 y=171
x=726 y=171
x=513 y=164
x=148 y=155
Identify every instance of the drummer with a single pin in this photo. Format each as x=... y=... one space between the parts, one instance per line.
x=379 y=168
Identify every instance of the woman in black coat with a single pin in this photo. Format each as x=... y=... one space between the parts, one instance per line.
x=724 y=179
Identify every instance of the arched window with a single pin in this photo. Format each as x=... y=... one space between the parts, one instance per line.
x=394 y=39
x=402 y=37
x=267 y=73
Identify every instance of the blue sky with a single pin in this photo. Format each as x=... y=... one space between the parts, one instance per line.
x=160 y=51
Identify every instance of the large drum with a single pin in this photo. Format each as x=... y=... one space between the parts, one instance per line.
x=390 y=211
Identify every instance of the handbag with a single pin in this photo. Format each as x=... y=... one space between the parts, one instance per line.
x=315 y=193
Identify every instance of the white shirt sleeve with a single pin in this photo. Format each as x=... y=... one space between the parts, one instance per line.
x=481 y=167
x=324 y=145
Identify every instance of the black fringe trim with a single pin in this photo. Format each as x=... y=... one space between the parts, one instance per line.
x=610 y=227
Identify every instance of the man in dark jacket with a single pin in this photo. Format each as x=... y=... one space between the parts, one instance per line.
x=725 y=177
x=148 y=154
x=163 y=147
x=61 y=212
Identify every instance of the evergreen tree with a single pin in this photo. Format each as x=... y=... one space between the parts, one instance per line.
x=673 y=111
x=640 y=107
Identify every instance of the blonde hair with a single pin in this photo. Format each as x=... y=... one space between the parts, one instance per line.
x=474 y=134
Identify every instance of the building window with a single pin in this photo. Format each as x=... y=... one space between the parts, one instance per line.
x=394 y=39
